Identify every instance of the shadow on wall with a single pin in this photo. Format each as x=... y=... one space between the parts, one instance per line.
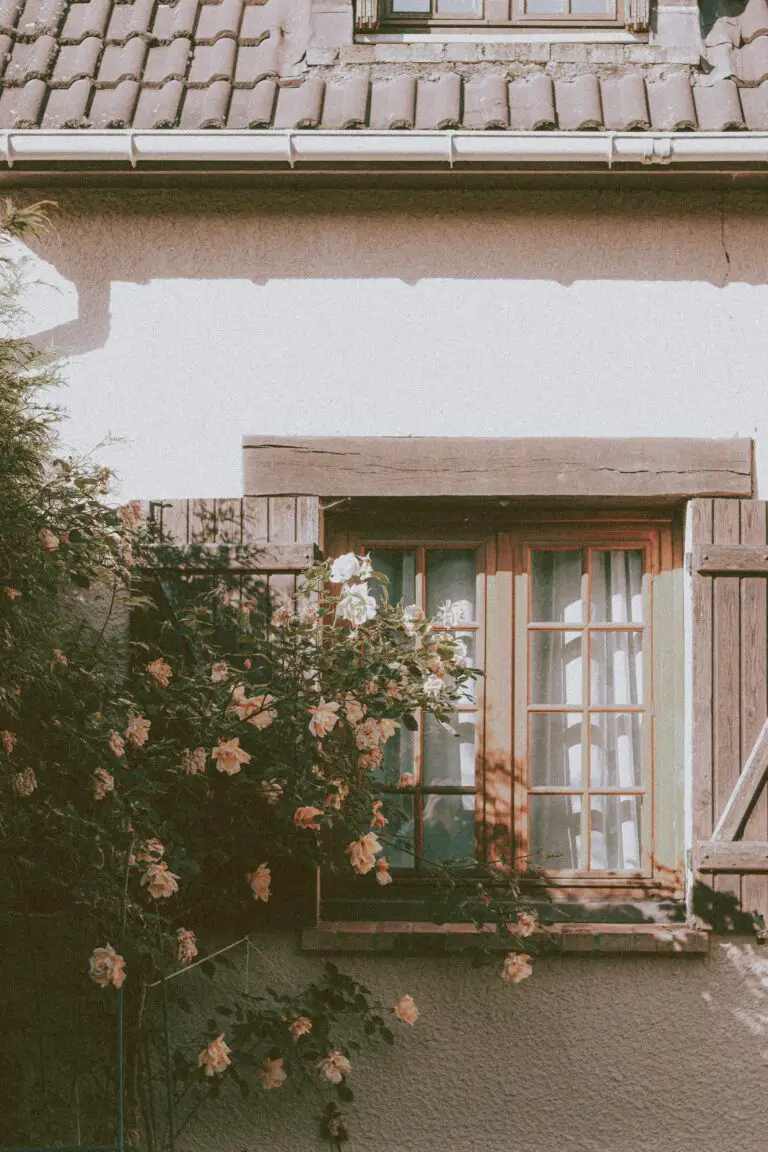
x=564 y=237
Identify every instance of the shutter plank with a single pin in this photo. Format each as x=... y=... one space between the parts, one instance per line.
x=703 y=684
x=754 y=688
x=174 y=525
x=228 y=525
x=726 y=679
x=255 y=518
x=202 y=521
x=282 y=530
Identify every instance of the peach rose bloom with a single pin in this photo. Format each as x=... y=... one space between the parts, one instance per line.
x=353 y=709
x=137 y=732
x=272 y=1074
x=8 y=741
x=308 y=615
x=219 y=671
x=25 y=782
x=187 y=945
x=260 y=881
x=334 y=1067
x=383 y=874
x=370 y=760
x=337 y=798
x=282 y=616
x=526 y=924
x=387 y=729
x=215 y=1058
x=102 y=784
x=406 y=780
x=58 y=658
x=194 y=762
x=305 y=817
x=323 y=718
x=378 y=819
x=12 y=593
x=229 y=756
x=362 y=853
x=105 y=967
x=300 y=1027
x=263 y=714
x=517 y=967
x=160 y=881
x=130 y=515
x=160 y=672
x=368 y=734
x=405 y=1009
x=49 y=540
x=116 y=744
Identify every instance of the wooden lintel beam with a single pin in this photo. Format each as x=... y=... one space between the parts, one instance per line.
x=654 y=468
x=731 y=560
x=732 y=856
x=259 y=556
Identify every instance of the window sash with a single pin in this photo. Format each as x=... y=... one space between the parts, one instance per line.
x=498 y=13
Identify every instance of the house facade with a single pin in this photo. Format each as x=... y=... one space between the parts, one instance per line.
x=479 y=286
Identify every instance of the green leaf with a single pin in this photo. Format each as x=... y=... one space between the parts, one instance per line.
x=410 y=722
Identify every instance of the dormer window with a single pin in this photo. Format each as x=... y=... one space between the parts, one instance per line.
x=426 y=15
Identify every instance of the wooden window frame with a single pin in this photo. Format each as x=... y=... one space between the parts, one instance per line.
x=391 y=20
x=501 y=779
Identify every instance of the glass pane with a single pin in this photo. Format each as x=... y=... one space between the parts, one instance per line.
x=399 y=566
x=469 y=689
x=449 y=828
x=398 y=757
x=556 y=839
x=617 y=586
x=459 y=7
x=556 y=587
x=556 y=672
x=616 y=750
x=617 y=668
x=594 y=8
x=555 y=749
x=545 y=7
x=615 y=833
x=401 y=829
x=449 y=760
x=420 y=6
x=451 y=575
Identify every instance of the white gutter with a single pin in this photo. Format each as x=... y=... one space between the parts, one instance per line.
x=294 y=148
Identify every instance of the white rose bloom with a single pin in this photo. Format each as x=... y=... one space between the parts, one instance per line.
x=355 y=604
x=433 y=686
x=366 y=567
x=345 y=568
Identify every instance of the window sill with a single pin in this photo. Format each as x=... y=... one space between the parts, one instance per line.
x=414 y=938
x=529 y=33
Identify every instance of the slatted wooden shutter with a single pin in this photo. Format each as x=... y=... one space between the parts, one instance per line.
x=269 y=540
x=730 y=703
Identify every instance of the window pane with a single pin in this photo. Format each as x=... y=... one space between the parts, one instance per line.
x=556 y=671
x=449 y=760
x=449 y=827
x=399 y=811
x=398 y=757
x=399 y=566
x=545 y=7
x=451 y=574
x=556 y=840
x=555 y=749
x=615 y=833
x=616 y=750
x=556 y=587
x=469 y=688
x=617 y=668
x=617 y=586
x=420 y=6
x=459 y=7
x=594 y=8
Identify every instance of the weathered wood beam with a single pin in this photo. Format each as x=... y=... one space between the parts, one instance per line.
x=732 y=856
x=731 y=560
x=744 y=796
x=639 y=468
x=259 y=556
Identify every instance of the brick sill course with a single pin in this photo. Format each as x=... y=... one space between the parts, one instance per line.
x=415 y=938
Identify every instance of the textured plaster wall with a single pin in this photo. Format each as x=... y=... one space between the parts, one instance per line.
x=193 y=319
x=590 y=1055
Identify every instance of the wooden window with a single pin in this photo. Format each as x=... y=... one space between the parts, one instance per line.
x=564 y=759
x=411 y=14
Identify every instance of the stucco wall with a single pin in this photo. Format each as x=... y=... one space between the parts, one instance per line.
x=193 y=319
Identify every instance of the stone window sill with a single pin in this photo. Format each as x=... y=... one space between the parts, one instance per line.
x=415 y=938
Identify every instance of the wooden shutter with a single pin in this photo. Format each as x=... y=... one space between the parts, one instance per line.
x=730 y=701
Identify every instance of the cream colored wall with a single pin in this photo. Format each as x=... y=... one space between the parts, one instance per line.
x=193 y=319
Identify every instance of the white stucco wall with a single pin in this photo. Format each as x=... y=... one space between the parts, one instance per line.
x=194 y=319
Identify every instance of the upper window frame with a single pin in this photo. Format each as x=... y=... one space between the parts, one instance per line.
x=391 y=20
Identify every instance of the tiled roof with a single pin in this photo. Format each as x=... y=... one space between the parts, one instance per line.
x=231 y=64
